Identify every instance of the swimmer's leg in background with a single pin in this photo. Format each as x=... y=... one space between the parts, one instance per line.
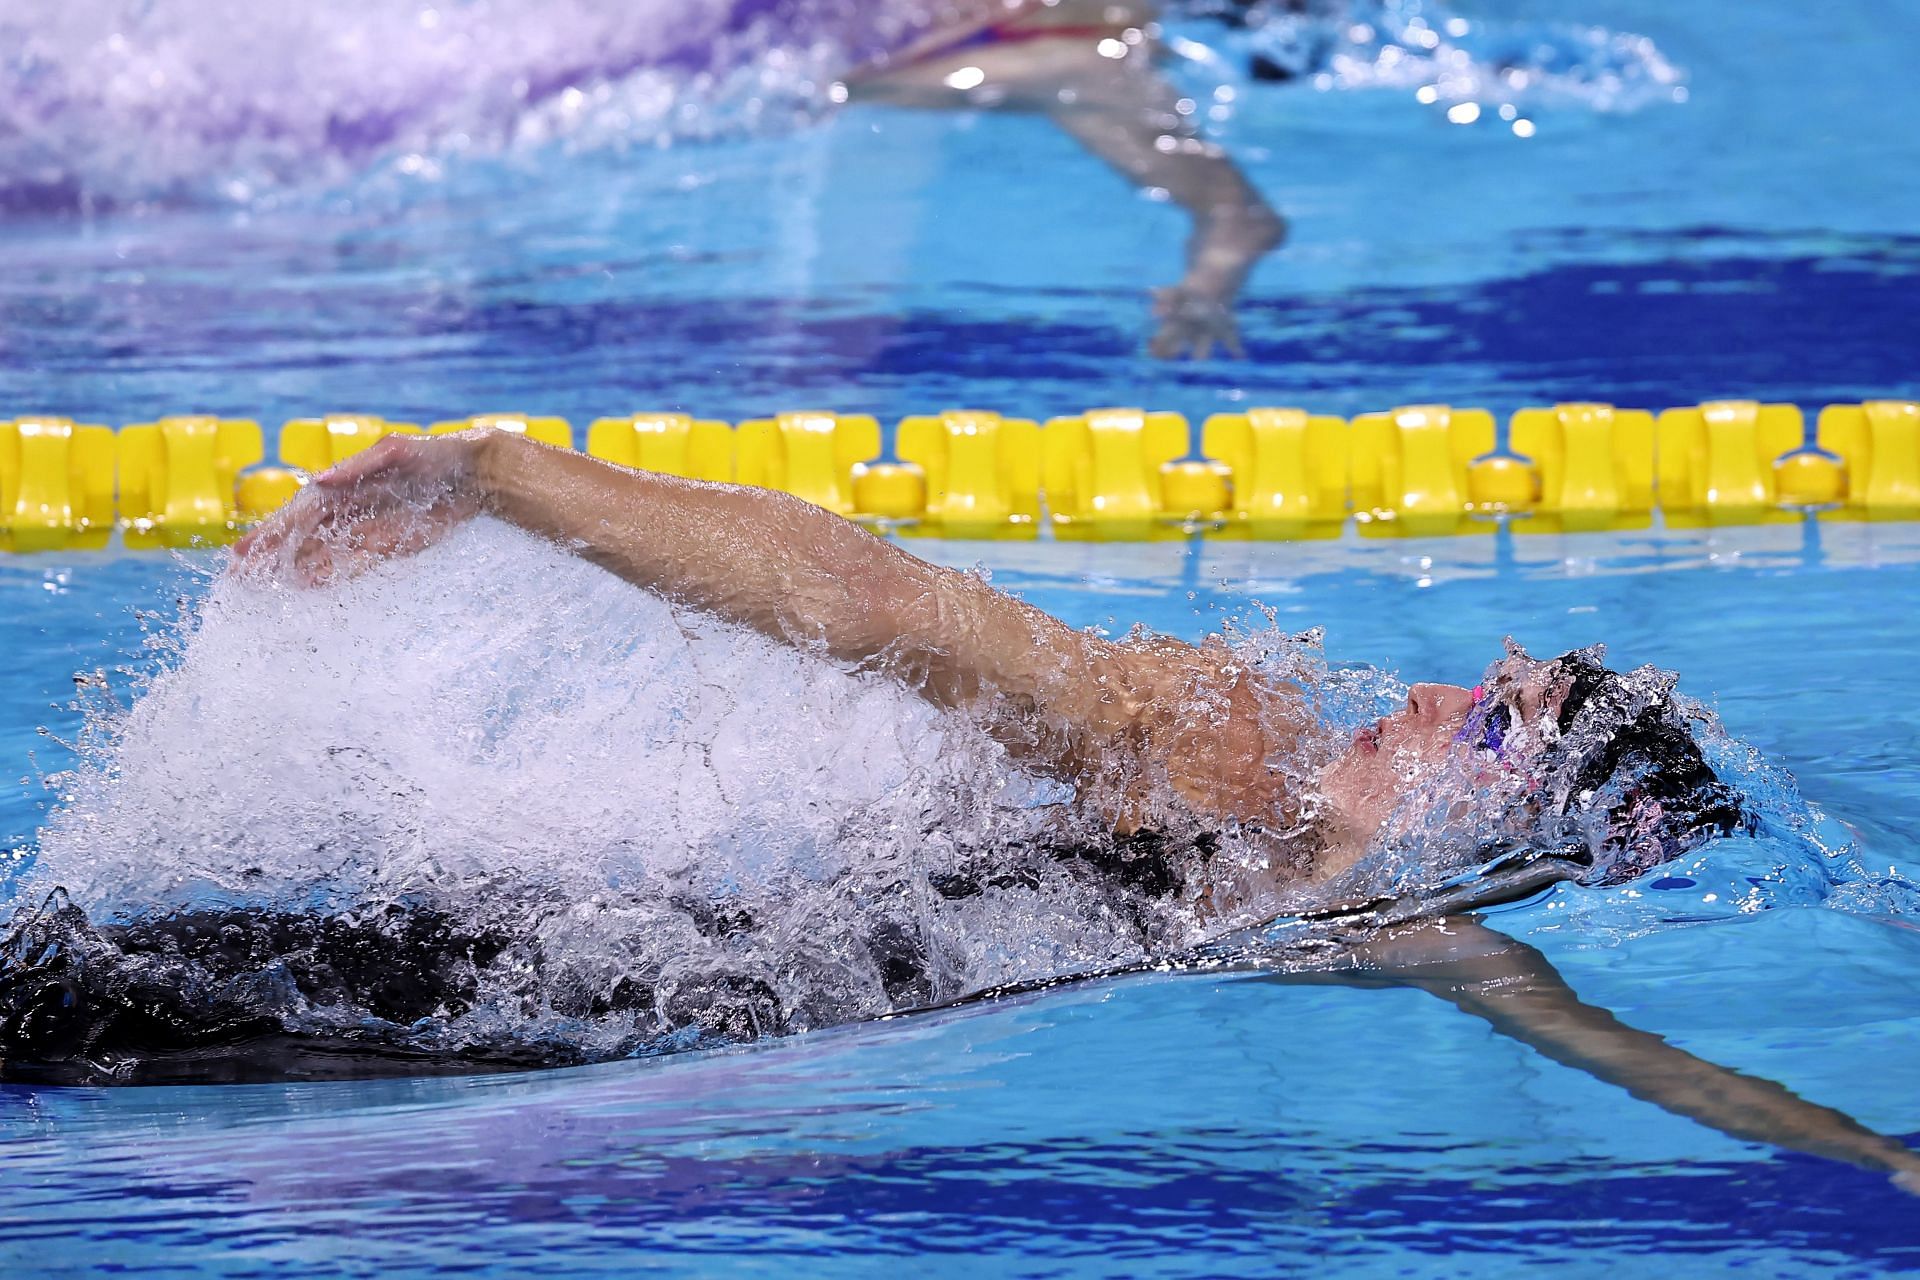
x=1105 y=93
x=1517 y=991
x=1233 y=227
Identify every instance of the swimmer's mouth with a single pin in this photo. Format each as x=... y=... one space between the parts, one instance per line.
x=1367 y=738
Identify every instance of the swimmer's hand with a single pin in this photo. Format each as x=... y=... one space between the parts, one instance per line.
x=1908 y=1180
x=398 y=497
x=1193 y=323
x=1196 y=315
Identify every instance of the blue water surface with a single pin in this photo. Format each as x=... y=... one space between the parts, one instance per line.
x=1759 y=239
x=1156 y=1124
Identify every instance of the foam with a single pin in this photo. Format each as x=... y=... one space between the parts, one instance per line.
x=133 y=100
x=502 y=731
x=494 y=702
x=1418 y=45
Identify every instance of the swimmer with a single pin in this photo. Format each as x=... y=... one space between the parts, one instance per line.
x=1153 y=736
x=1088 y=65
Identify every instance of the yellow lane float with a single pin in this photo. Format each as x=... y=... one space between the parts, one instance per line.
x=890 y=495
x=1410 y=467
x=1716 y=461
x=178 y=478
x=314 y=444
x=674 y=444
x=809 y=454
x=1502 y=484
x=1877 y=445
x=262 y=491
x=1592 y=466
x=557 y=432
x=980 y=474
x=1103 y=473
x=56 y=484
x=1118 y=474
x=1286 y=472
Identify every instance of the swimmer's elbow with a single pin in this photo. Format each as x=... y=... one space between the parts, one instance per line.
x=1254 y=228
x=1270 y=227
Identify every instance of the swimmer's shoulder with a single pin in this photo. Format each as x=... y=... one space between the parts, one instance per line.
x=1216 y=727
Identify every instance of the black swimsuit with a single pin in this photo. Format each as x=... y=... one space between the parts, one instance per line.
x=195 y=995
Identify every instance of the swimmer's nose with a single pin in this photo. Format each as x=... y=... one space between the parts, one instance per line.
x=1436 y=703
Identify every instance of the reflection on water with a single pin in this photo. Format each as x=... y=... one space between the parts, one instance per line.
x=863 y=264
x=186 y=103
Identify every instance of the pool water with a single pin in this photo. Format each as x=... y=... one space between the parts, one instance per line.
x=1756 y=238
x=1155 y=1124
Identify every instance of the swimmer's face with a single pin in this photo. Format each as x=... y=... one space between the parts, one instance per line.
x=1443 y=727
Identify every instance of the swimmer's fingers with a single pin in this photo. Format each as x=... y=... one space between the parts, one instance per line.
x=332 y=553
x=265 y=545
x=1908 y=1180
x=1165 y=344
x=1193 y=324
x=315 y=506
x=323 y=536
x=393 y=499
x=1175 y=339
x=432 y=461
x=285 y=545
x=254 y=542
x=1230 y=339
x=1169 y=340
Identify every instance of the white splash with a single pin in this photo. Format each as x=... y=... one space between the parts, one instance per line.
x=1449 y=58
x=110 y=102
x=511 y=735
x=134 y=100
x=493 y=704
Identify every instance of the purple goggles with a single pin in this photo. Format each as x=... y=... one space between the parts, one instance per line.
x=1487 y=724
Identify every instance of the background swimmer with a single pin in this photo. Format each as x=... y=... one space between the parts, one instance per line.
x=419 y=91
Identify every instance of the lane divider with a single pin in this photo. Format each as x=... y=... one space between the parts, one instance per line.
x=1285 y=472
x=56 y=482
x=1878 y=446
x=182 y=474
x=557 y=432
x=674 y=443
x=810 y=454
x=1721 y=455
x=1101 y=472
x=1592 y=466
x=1114 y=473
x=979 y=476
x=1410 y=469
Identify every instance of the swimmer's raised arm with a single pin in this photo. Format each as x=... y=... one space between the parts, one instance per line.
x=1065 y=702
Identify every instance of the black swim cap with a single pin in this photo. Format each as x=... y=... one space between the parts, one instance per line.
x=1627 y=770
